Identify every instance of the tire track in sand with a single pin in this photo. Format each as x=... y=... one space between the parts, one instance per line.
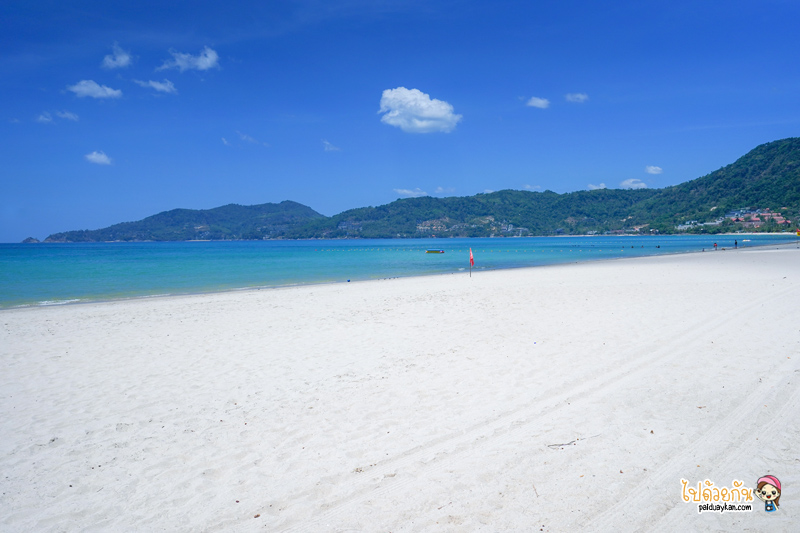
x=393 y=474
x=737 y=429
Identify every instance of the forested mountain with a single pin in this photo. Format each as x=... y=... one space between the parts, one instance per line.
x=231 y=221
x=768 y=177
x=499 y=213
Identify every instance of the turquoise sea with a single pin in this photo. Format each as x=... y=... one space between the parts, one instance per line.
x=52 y=274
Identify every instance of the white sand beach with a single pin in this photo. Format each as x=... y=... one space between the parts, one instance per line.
x=541 y=399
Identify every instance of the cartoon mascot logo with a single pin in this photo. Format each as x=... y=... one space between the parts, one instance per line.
x=769 y=490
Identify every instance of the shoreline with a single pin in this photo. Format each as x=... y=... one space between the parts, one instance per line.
x=418 y=238
x=72 y=302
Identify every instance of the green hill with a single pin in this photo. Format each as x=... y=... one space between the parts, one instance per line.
x=222 y=223
x=768 y=177
x=502 y=213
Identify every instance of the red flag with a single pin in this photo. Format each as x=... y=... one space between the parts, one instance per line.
x=471 y=259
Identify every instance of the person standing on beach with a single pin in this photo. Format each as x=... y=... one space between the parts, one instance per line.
x=735 y=244
x=715 y=247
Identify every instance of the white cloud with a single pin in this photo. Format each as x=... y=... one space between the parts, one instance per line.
x=633 y=183
x=93 y=89
x=532 y=187
x=595 y=187
x=67 y=115
x=119 y=59
x=541 y=103
x=44 y=118
x=487 y=191
x=577 y=98
x=99 y=158
x=653 y=170
x=328 y=147
x=444 y=190
x=225 y=142
x=413 y=111
x=207 y=59
x=249 y=139
x=408 y=193
x=165 y=86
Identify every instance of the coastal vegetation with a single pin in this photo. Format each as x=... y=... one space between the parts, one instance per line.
x=758 y=192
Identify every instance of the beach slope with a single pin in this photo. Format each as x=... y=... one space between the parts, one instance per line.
x=551 y=398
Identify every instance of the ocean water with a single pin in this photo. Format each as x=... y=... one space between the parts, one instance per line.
x=53 y=274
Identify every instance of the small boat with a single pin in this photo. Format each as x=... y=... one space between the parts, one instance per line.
x=434 y=251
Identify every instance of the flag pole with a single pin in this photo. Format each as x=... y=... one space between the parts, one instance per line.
x=471 y=262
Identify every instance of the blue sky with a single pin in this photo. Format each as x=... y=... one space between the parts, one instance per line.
x=114 y=111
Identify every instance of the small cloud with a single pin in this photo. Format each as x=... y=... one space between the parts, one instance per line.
x=67 y=115
x=225 y=142
x=633 y=183
x=93 y=89
x=653 y=170
x=46 y=118
x=207 y=59
x=532 y=187
x=328 y=147
x=595 y=187
x=488 y=191
x=413 y=111
x=249 y=139
x=165 y=86
x=444 y=190
x=99 y=158
x=408 y=193
x=577 y=98
x=541 y=103
x=118 y=59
